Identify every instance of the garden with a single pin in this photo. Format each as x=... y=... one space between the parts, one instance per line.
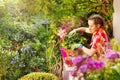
x=30 y=37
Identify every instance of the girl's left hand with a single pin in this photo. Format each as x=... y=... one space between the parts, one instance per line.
x=74 y=46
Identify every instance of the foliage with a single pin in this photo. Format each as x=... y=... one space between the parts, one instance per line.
x=16 y=64
x=39 y=76
x=10 y=28
x=5 y=59
x=34 y=24
x=45 y=43
x=2 y=64
x=115 y=45
x=58 y=10
x=112 y=72
x=63 y=9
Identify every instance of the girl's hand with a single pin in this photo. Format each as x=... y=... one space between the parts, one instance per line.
x=74 y=46
x=72 y=33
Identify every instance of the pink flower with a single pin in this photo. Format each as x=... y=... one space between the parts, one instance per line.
x=62 y=33
x=63 y=27
x=111 y=54
x=64 y=54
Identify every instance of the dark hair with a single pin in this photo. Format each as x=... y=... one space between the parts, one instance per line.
x=97 y=20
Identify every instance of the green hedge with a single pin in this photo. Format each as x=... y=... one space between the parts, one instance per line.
x=39 y=76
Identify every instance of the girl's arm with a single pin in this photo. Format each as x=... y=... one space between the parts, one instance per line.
x=83 y=29
x=89 y=52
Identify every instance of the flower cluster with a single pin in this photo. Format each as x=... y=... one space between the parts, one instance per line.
x=111 y=54
x=84 y=63
x=80 y=62
x=95 y=64
x=65 y=27
x=61 y=33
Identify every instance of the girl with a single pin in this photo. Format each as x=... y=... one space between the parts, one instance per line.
x=99 y=44
x=99 y=41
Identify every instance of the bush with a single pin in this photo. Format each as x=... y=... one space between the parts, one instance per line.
x=39 y=76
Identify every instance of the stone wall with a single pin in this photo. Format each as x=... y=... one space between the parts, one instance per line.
x=116 y=20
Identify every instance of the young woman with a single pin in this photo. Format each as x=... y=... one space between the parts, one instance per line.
x=99 y=44
x=99 y=41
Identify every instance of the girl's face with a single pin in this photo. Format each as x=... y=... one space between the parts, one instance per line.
x=93 y=27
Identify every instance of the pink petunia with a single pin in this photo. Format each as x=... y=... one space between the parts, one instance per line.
x=64 y=54
x=62 y=33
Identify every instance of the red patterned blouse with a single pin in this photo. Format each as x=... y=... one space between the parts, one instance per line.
x=100 y=41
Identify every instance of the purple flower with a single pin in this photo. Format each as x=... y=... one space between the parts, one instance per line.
x=85 y=56
x=12 y=62
x=77 y=59
x=94 y=64
x=91 y=64
x=27 y=48
x=111 y=54
x=102 y=64
x=83 y=68
x=88 y=64
x=99 y=64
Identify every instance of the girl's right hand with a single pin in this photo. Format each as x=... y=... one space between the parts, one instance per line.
x=72 y=33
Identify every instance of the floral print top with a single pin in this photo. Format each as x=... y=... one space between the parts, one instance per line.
x=100 y=41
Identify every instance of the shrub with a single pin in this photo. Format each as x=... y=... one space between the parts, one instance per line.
x=39 y=76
